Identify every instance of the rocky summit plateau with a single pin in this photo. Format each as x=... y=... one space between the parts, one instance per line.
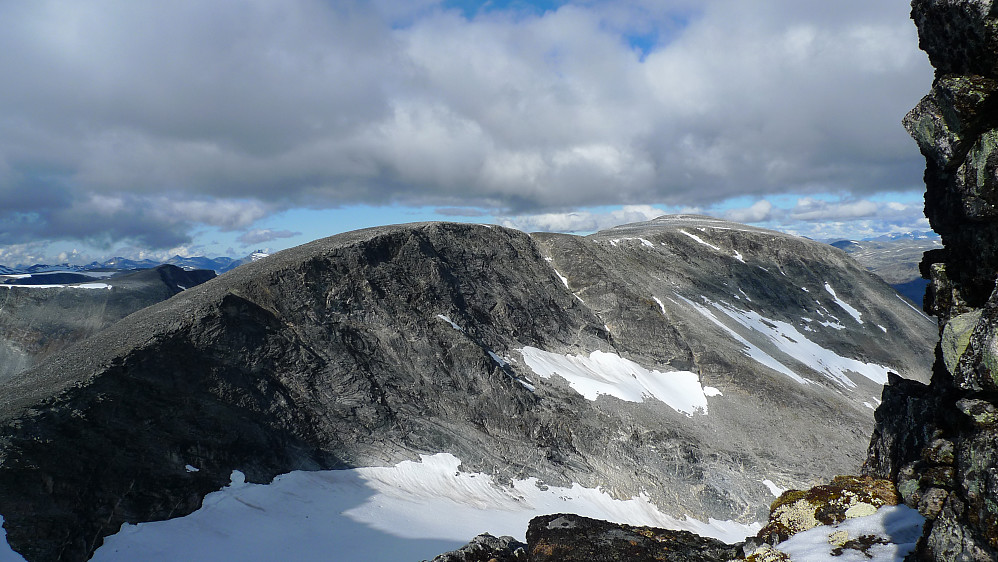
x=408 y=387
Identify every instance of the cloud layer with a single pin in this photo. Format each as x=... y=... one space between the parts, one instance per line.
x=141 y=121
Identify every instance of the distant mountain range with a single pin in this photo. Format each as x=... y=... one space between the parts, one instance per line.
x=895 y=258
x=219 y=265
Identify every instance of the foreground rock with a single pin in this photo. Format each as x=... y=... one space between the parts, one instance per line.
x=486 y=548
x=571 y=538
x=939 y=442
x=687 y=359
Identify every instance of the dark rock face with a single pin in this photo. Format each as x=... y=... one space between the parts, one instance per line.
x=955 y=127
x=368 y=348
x=940 y=442
x=572 y=538
x=38 y=321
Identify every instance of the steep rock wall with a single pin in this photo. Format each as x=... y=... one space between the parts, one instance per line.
x=940 y=442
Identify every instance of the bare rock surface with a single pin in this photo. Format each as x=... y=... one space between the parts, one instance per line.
x=564 y=537
x=939 y=442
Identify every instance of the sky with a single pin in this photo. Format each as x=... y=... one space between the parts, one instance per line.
x=141 y=128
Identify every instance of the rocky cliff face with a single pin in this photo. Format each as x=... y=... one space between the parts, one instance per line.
x=686 y=358
x=940 y=442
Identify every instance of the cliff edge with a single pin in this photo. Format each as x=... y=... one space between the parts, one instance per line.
x=939 y=442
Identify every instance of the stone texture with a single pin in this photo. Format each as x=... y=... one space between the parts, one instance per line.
x=960 y=36
x=846 y=497
x=939 y=443
x=572 y=538
x=486 y=548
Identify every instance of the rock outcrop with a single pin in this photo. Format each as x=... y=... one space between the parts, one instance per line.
x=486 y=548
x=564 y=537
x=939 y=442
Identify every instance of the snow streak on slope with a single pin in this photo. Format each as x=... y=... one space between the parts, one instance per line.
x=698 y=239
x=612 y=375
x=786 y=338
x=411 y=511
x=845 y=306
x=751 y=349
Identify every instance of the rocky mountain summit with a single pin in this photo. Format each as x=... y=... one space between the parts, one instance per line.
x=939 y=442
x=687 y=363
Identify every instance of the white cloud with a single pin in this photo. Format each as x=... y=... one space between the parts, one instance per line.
x=584 y=221
x=223 y=113
x=808 y=209
x=260 y=235
x=759 y=211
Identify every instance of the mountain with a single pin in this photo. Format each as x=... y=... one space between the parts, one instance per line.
x=685 y=367
x=120 y=265
x=44 y=312
x=895 y=260
x=910 y=235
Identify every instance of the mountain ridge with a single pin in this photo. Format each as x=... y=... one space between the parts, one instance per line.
x=371 y=347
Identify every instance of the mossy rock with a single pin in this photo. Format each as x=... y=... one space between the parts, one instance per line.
x=846 y=497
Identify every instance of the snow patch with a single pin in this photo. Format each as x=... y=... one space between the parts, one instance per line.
x=451 y=322
x=845 y=306
x=499 y=360
x=698 y=239
x=901 y=524
x=191 y=468
x=410 y=511
x=660 y=305
x=773 y=488
x=610 y=374
x=710 y=391
x=562 y=277
x=905 y=301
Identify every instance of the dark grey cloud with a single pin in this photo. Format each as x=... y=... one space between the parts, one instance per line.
x=261 y=235
x=460 y=212
x=139 y=120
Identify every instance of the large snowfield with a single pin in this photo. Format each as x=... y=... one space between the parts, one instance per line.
x=416 y=510
x=410 y=511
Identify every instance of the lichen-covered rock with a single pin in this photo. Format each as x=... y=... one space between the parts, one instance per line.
x=905 y=423
x=960 y=36
x=940 y=443
x=846 y=497
x=956 y=337
x=487 y=548
x=946 y=120
x=573 y=538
